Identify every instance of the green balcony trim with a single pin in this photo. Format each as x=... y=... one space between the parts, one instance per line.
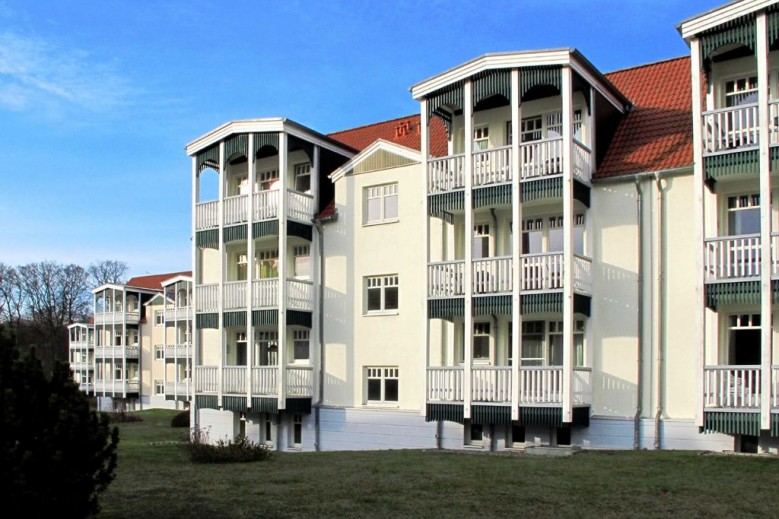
x=296 y=143
x=442 y=203
x=445 y=102
x=208 y=158
x=492 y=82
x=235 y=233
x=206 y=402
x=265 y=317
x=535 y=76
x=299 y=318
x=541 y=189
x=261 y=140
x=741 y=31
x=581 y=192
x=266 y=228
x=550 y=302
x=492 y=196
x=203 y=321
x=237 y=144
x=234 y=403
x=732 y=422
x=265 y=405
x=775 y=423
x=234 y=319
x=445 y=412
x=491 y=414
x=300 y=230
x=298 y=405
x=744 y=162
x=773 y=25
x=734 y=293
x=447 y=309
x=208 y=239
x=489 y=305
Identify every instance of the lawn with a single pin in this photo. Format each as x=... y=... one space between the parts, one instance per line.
x=155 y=479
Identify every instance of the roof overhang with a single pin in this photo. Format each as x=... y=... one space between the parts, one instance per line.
x=563 y=57
x=176 y=279
x=153 y=300
x=79 y=325
x=127 y=288
x=713 y=18
x=267 y=125
x=379 y=144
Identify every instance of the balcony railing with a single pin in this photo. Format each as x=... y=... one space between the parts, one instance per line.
x=582 y=274
x=178 y=351
x=236 y=209
x=775 y=387
x=265 y=293
x=85 y=387
x=542 y=272
x=491 y=384
x=300 y=206
x=129 y=317
x=265 y=380
x=81 y=345
x=445 y=384
x=582 y=161
x=116 y=386
x=206 y=215
x=81 y=366
x=206 y=379
x=300 y=381
x=266 y=205
x=492 y=275
x=541 y=385
x=130 y=352
x=300 y=294
x=492 y=166
x=445 y=174
x=542 y=158
x=732 y=128
x=234 y=295
x=445 y=279
x=207 y=298
x=181 y=313
x=234 y=380
x=182 y=387
x=732 y=257
x=582 y=385
x=731 y=386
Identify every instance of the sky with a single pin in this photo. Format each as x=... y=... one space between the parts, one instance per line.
x=99 y=98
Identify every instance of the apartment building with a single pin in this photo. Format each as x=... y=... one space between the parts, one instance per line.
x=545 y=255
x=136 y=352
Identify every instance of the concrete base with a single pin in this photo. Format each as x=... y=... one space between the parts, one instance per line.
x=545 y=450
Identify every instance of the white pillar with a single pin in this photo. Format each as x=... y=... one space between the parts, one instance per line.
x=568 y=217
x=425 y=151
x=468 y=239
x=221 y=265
x=282 y=292
x=193 y=338
x=250 y=178
x=699 y=187
x=516 y=244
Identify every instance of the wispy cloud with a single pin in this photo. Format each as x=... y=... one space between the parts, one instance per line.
x=37 y=74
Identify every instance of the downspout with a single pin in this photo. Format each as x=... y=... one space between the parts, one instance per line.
x=640 y=323
x=320 y=310
x=660 y=340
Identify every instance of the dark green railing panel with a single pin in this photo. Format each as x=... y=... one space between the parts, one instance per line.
x=207 y=239
x=445 y=412
x=206 y=321
x=732 y=422
x=487 y=414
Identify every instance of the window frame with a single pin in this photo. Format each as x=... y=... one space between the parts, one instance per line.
x=382 y=283
x=159 y=387
x=382 y=193
x=159 y=352
x=302 y=169
x=159 y=317
x=383 y=374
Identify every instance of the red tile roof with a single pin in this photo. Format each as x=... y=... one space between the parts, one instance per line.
x=403 y=131
x=657 y=134
x=153 y=281
x=327 y=212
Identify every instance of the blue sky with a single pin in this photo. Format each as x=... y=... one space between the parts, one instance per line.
x=98 y=98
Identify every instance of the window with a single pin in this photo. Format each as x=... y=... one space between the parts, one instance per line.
x=301 y=346
x=266 y=429
x=532 y=343
x=531 y=129
x=541 y=235
x=266 y=348
x=741 y=91
x=159 y=318
x=481 y=138
x=302 y=261
x=381 y=203
x=240 y=266
x=481 y=241
x=303 y=177
x=555 y=351
x=532 y=236
x=542 y=349
x=297 y=430
x=382 y=385
x=267 y=179
x=159 y=387
x=744 y=214
x=159 y=352
x=240 y=349
x=267 y=264
x=381 y=293
x=481 y=342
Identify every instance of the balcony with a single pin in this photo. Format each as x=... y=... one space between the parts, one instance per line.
x=116 y=386
x=300 y=295
x=129 y=317
x=86 y=387
x=300 y=206
x=179 y=313
x=178 y=351
x=81 y=366
x=734 y=258
x=207 y=298
x=109 y=352
x=264 y=380
x=181 y=388
x=539 y=159
x=81 y=345
x=733 y=387
x=538 y=386
x=540 y=273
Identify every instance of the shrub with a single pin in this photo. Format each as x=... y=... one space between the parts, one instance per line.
x=180 y=420
x=122 y=417
x=239 y=450
x=57 y=454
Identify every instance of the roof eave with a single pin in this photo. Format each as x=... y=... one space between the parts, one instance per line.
x=713 y=18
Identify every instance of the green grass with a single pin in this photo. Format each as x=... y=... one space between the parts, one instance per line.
x=157 y=480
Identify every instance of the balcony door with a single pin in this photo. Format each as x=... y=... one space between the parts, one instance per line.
x=745 y=340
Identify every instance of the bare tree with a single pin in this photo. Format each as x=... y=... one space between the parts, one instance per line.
x=107 y=271
x=12 y=298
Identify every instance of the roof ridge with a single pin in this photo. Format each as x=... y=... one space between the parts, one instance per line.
x=651 y=63
x=372 y=124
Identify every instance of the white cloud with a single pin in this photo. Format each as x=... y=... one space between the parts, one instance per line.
x=36 y=73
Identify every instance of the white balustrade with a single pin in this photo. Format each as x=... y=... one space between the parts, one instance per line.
x=492 y=275
x=206 y=215
x=582 y=385
x=542 y=158
x=773 y=121
x=182 y=313
x=491 y=384
x=234 y=295
x=445 y=174
x=234 y=380
x=300 y=206
x=236 y=209
x=730 y=128
x=731 y=386
x=265 y=293
x=582 y=274
x=181 y=351
x=541 y=385
x=133 y=316
x=774 y=255
x=265 y=380
x=774 y=386
x=116 y=386
x=445 y=279
x=732 y=257
x=582 y=161
x=206 y=379
x=207 y=298
x=492 y=166
x=542 y=271
x=180 y=388
x=104 y=352
x=445 y=384
x=266 y=205
x=132 y=351
x=300 y=381
x=300 y=294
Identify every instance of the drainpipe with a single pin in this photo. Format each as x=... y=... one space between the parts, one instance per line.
x=640 y=323
x=660 y=340
x=320 y=310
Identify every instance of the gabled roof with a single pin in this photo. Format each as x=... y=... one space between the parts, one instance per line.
x=405 y=155
x=657 y=134
x=719 y=16
x=154 y=281
x=404 y=131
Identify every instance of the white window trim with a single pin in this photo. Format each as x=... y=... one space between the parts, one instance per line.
x=381 y=373
x=159 y=352
x=381 y=192
x=385 y=281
